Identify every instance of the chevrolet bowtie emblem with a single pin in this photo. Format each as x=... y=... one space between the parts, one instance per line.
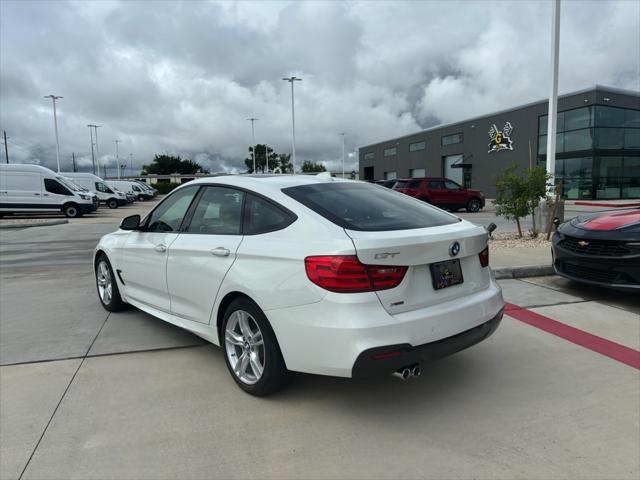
x=582 y=243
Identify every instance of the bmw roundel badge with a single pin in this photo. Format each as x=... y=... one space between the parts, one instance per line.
x=454 y=249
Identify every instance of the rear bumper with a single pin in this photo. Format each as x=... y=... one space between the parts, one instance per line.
x=386 y=360
x=333 y=336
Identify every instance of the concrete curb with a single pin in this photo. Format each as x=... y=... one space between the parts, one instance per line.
x=45 y=223
x=523 y=272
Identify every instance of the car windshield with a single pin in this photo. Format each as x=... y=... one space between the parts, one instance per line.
x=365 y=207
x=69 y=184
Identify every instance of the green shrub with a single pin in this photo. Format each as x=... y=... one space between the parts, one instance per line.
x=164 y=188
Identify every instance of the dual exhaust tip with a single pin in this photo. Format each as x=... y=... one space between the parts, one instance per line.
x=406 y=372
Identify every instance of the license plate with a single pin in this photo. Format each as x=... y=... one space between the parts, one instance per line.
x=446 y=274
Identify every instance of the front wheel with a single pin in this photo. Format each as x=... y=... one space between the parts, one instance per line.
x=108 y=291
x=251 y=350
x=473 y=205
x=141 y=198
x=71 y=211
x=112 y=203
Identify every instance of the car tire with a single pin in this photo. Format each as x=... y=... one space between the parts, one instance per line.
x=251 y=350
x=473 y=205
x=107 y=286
x=112 y=203
x=141 y=198
x=71 y=210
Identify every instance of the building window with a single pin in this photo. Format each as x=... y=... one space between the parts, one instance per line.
x=452 y=139
x=414 y=147
x=390 y=175
x=369 y=156
x=578 y=140
x=578 y=118
x=390 y=152
x=630 y=177
x=417 y=172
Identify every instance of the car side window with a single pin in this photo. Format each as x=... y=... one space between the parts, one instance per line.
x=53 y=186
x=167 y=217
x=218 y=212
x=135 y=188
x=448 y=184
x=101 y=187
x=414 y=184
x=435 y=184
x=262 y=216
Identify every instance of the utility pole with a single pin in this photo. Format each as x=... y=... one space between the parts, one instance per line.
x=6 y=149
x=93 y=158
x=291 y=80
x=342 y=154
x=266 y=157
x=131 y=164
x=73 y=160
x=55 y=126
x=117 y=157
x=553 y=96
x=253 y=139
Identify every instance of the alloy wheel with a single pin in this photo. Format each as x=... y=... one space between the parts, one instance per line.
x=105 y=282
x=245 y=347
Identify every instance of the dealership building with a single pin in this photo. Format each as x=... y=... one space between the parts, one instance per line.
x=597 y=146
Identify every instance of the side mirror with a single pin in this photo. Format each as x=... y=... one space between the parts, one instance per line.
x=490 y=228
x=132 y=222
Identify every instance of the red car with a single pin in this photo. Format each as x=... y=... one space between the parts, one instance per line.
x=442 y=192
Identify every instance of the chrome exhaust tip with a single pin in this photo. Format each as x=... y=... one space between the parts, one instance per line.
x=402 y=374
x=416 y=371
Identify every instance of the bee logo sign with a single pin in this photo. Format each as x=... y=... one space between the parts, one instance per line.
x=500 y=139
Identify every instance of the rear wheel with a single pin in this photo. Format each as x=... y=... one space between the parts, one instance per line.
x=251 y=350
x=473 y=205
x=71 y=210
x=108 y=291
x=112 y=203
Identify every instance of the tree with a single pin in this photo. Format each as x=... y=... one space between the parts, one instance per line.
x=308 y=166
x=166 y=164
x=261 y=154
x=519 y=195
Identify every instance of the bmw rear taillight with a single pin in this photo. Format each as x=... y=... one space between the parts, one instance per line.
x=484 y=257
x=346 y=274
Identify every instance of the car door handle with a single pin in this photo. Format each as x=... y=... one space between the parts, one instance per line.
x=160 y=248
x=220 y=252
x=36 y=194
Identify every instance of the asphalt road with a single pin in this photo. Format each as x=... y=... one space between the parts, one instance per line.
x=88 y=394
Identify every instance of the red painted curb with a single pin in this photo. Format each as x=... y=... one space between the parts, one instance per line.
x=600 y=345
x=593 y=204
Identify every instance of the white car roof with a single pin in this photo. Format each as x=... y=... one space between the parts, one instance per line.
x=264 y=183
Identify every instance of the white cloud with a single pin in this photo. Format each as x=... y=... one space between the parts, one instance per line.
x=183 y=77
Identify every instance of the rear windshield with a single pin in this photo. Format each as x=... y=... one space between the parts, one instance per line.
x=365 y=207
x=400 y=184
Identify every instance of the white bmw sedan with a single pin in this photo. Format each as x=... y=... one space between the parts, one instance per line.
x=305 y=273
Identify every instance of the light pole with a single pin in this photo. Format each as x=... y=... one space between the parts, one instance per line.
x=55 y=126
x=93 y=158
x=553 y=96
x=97 y=152
x=253 y=139
x=131 y=163
x=342 y=154
x=117 y=157
x=291 y=80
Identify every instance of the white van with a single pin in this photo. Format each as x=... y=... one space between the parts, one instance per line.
x=131 y=187
x=107 y=195
x=32 y=188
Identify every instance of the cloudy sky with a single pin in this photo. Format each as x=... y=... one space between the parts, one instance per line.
x=182 y=77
